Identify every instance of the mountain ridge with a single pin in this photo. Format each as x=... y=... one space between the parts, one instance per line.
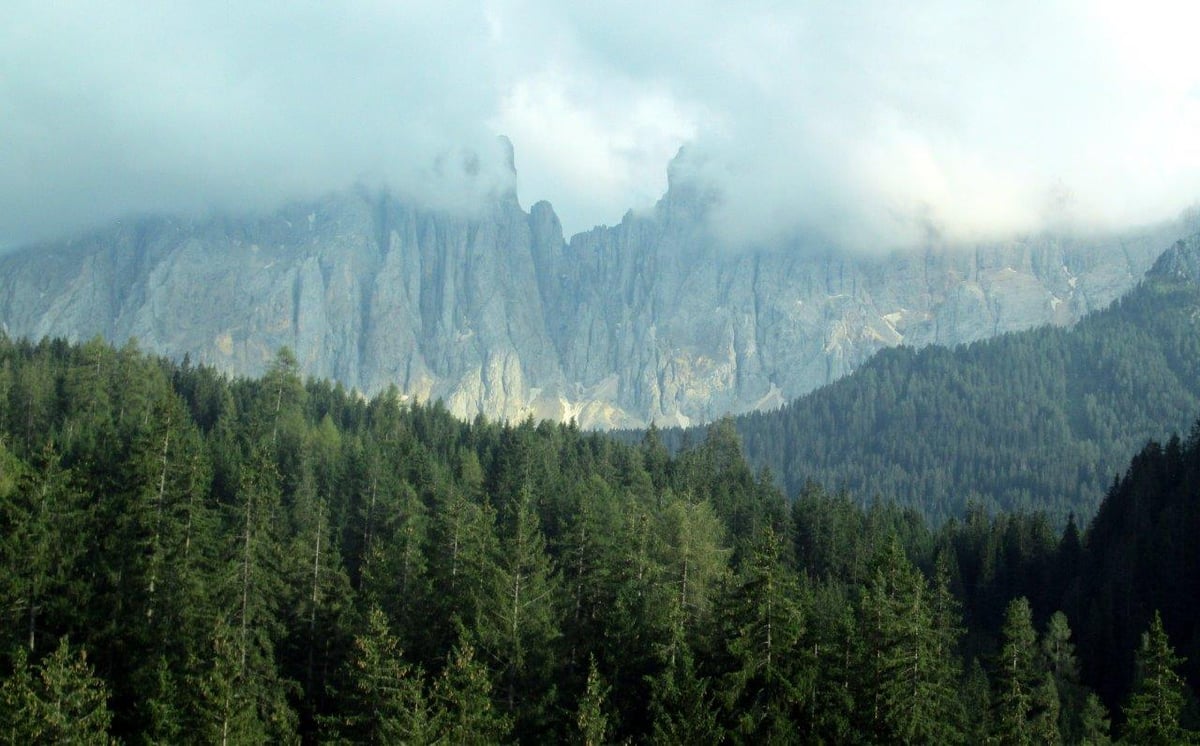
x=498 y=313
x=1034 y=420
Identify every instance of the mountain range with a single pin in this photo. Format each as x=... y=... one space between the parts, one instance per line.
x=496 y=313
x=1041 y=419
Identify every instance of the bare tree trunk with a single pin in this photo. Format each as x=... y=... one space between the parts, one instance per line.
x=370 y=515
x=312 y=618
x=158 y=511
x=245 y=584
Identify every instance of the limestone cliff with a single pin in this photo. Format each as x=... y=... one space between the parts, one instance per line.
x=497 y=313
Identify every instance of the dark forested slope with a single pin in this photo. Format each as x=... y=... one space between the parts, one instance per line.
x=1040 y=419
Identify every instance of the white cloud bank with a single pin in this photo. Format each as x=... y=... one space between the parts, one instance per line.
x=861 y=124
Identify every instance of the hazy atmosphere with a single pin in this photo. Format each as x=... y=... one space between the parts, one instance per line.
x=863 y=124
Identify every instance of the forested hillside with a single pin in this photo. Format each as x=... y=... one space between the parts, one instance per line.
x=189 y=559
x=1034 y=420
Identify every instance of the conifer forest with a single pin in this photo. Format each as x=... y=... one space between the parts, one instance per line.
x=190 y=558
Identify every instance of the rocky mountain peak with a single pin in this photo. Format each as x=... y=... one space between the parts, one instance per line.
x=493 y=312
x=507 y=153
x=1180 y=262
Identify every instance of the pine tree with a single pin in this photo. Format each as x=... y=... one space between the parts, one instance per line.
x=249 y=625
x=1152 y=715
x=518 y=625
x=590 y=717
x=1094 y=723
x=58 y=700
x=766 y=695
x=1017 y=676
x=42 y=519
x=386 y=697
x=682 y=710
x=464 y=713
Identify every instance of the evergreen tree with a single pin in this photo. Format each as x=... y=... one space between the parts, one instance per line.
x=245 y=560
x=227 y=707
x=386 y=701
x=1152 y=715
x=1046 y=713
x=517 y=626
x=318 y=597
x=164 y=708
x=977 y=705
x=58 y=700
x=462 y=559
x=910 y=673
x=395 y=573
x=1094 y=723
x=591 y=717
x=47 y=529
x=682 y=710
x=766 y=693
x=1017 y=676
x=156 y=601
x=694 y=562
x=249 y=626
x=836 y=647
x=463 y=701
x=1058 y=652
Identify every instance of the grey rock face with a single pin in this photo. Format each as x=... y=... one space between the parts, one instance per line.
x=497 y=314
x=1180 y=262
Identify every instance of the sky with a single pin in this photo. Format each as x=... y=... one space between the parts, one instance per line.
x=855 y=124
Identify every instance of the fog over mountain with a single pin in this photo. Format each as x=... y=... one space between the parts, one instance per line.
x=849 y=125
x=842 y=178
x=496 y=312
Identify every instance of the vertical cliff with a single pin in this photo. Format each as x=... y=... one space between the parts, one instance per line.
x=495 y=312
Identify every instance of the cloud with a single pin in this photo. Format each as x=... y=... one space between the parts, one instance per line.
x=116 y=107
x=856 y=124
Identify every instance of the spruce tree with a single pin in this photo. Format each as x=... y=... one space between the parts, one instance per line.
x=1058 y=652
x=683 y=710
x=766 y=694
x=58 y=700
x=249 y=625
x=464 y=711
x=590 y=716
x=385 y=701
x=1152 y=715
x=1016 y=675
x=395 y=570
x=1094 y=723
x=518 y=621
x=910 y=672
x=47 y=527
